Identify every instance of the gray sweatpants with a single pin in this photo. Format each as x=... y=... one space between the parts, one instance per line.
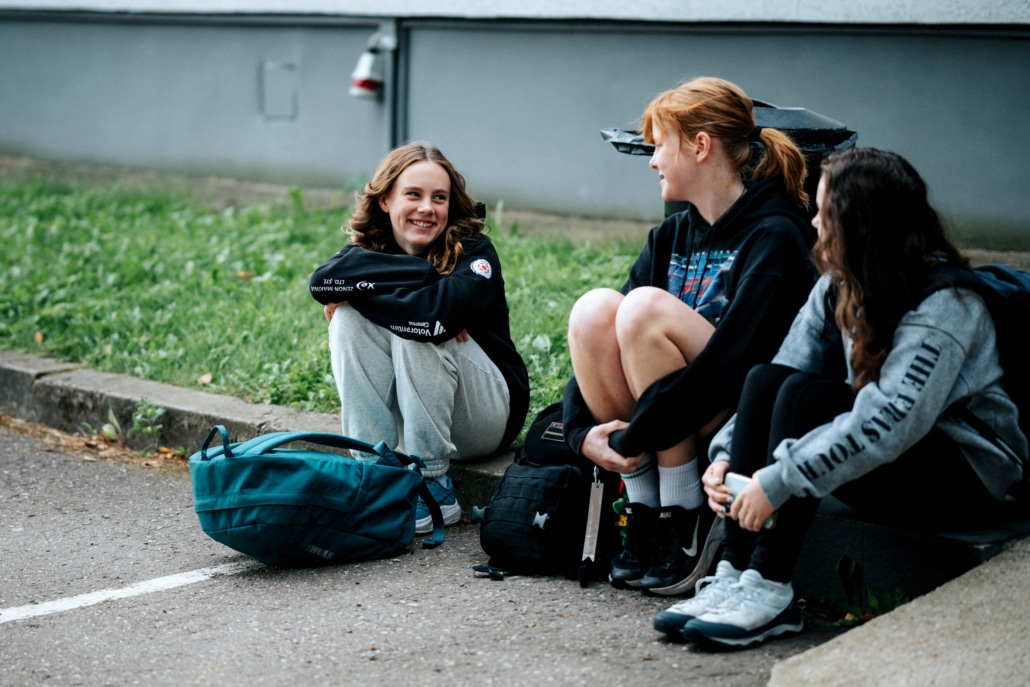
x=440 y=402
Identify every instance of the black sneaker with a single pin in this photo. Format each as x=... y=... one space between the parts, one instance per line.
x=630 y=564
x=686 y=546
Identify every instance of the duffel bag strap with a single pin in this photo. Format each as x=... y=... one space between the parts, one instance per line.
x=437 y=515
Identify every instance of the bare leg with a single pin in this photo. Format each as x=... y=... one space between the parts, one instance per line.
x=596 y=358
x=634 y=341
x=658 y=334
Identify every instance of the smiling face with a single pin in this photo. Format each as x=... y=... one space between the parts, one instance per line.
x=418 y=206
x=674 y=160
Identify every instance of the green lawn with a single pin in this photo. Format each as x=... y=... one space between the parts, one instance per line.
x=155 y=286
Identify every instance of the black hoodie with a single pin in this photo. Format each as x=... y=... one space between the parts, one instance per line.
x=408 y=296
x=757 y=273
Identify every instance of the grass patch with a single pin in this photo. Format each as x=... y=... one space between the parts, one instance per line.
x=152 y=285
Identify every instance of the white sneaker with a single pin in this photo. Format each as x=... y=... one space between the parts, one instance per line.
x=709 y=593
x=754 y=610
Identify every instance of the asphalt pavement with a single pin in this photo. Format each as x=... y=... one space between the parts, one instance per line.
x=108 y=579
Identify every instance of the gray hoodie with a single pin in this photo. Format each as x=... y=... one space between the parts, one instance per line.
x=943 y=351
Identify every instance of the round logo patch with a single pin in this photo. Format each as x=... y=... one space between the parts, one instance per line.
x=482 y=268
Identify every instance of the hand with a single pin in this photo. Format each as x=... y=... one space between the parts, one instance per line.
x=712 y=482
x=462 y=336
x=330 y=308
x=596 y=448
x=751 y=508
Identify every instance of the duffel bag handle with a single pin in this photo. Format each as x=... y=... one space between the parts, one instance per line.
x=269 y=442
x=217 y=429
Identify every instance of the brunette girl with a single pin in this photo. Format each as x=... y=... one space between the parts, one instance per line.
x=418 y=323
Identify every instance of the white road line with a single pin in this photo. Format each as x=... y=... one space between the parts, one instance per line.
x=146 y=587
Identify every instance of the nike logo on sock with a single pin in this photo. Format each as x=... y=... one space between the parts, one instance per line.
x=692 y=551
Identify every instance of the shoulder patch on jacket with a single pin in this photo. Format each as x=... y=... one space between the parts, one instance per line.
x=482 y=268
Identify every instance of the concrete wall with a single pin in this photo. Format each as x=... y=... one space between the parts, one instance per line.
x=516 y=105
x=527 y=130
x=251 y=99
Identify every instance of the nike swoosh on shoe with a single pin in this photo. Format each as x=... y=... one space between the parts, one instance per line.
x=692 y=551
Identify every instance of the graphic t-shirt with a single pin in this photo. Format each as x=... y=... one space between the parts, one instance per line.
x=700 y=281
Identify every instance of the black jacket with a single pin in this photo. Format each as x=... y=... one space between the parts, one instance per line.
x=408 y=296
x=757 y=272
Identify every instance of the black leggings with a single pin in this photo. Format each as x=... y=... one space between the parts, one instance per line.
x=931 y=484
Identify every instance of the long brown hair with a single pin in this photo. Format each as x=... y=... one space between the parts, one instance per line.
x=879 y=237
x=724 y=111
x=370 y=226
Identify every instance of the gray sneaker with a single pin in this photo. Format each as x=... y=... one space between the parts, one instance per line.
x=755 y=610
x=709 y=593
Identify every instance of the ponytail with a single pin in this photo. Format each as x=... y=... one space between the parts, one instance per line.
x=782 y=159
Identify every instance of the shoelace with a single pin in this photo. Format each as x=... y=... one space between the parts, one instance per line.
x=705 y=582
x=742 y=595
x=707 y=586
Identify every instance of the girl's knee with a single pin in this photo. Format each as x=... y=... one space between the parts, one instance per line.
x=768 y=377
x=351 y=333
x=644 y=310
x=349 y=322
x=594 y=313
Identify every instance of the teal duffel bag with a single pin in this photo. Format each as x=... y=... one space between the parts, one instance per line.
x=301 y=507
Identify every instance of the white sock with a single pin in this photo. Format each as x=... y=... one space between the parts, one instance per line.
x=642 y=485
x=681 y=486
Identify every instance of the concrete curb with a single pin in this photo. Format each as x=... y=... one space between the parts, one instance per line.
x=969 y=631
x=68 y=397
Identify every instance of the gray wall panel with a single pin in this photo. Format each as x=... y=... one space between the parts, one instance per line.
x=189 y=98
x=528 y=129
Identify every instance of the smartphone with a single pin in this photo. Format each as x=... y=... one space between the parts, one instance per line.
x=736 y=483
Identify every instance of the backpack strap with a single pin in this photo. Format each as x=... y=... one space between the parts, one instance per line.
x=490 y=570
x=1021 y=489
x=960 y=412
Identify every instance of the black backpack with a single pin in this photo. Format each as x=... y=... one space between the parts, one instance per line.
x=537 y=519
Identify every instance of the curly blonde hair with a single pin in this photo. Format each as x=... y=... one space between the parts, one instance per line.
x=371 y=229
